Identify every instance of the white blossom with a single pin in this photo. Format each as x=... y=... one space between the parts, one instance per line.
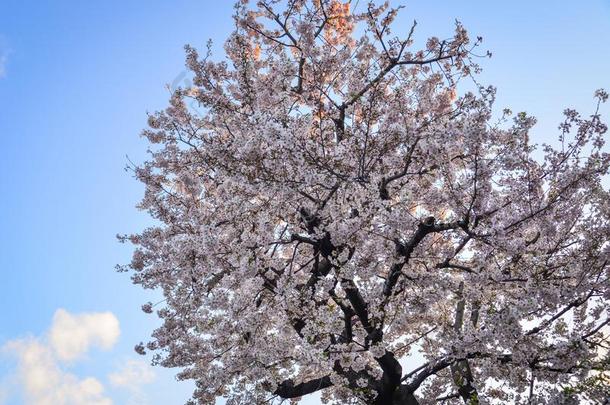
x=342 y=205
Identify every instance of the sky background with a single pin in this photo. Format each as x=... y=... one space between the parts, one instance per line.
x=76 y=81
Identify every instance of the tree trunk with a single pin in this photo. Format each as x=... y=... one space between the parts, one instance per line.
x=401 y=397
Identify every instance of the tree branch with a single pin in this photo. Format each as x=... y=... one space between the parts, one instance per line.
x=288 y=389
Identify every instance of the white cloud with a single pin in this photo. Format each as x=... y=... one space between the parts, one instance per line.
x=43 y=372
x=43 y=382
x=132 y=373
x=131 y=376
x=40 y=372
x=71 y=336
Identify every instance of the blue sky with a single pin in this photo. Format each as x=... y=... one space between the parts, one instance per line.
x=76 y=80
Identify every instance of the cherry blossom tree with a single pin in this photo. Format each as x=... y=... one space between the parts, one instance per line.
x=336 y=217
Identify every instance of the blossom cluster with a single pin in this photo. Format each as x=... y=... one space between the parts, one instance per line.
x=341 y=207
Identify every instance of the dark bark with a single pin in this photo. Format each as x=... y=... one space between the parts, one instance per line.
x=288 y=389
x=390 y=380
x=463 y=379
x=460 y=370
x=401 y=396
x=427 y=226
